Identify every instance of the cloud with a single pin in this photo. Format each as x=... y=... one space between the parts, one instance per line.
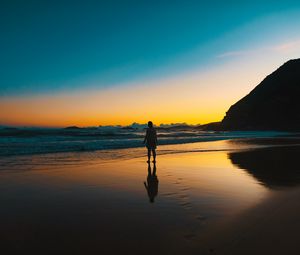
x=234 y=53
x=287 y=47
x=282 y=48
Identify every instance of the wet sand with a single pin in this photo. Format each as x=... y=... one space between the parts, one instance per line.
x=271 y=227
x=221 y=199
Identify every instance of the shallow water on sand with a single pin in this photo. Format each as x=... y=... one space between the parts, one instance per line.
x=87 y=204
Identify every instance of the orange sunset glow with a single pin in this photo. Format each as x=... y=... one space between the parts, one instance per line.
x=193 y=98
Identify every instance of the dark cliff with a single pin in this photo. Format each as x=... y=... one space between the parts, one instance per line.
x=272 y=105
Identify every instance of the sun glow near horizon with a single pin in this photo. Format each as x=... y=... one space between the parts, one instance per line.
x=197 y=97
x=193 y=98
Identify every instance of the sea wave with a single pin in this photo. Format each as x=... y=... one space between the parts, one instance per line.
x=37 y=141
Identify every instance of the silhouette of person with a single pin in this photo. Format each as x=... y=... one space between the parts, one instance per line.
x=151 y=141
x=152 y=183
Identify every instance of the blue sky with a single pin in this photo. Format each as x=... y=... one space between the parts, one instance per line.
x=59 y=46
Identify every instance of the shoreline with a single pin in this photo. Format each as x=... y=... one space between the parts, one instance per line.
x=105 y=156
x=42 y=144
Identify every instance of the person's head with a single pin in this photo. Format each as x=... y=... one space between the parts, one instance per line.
x=150 y=124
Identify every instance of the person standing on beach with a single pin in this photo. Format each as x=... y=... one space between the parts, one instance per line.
x=151 y=141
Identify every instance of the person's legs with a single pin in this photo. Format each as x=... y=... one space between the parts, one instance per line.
x=149 y=155
x=154 y=155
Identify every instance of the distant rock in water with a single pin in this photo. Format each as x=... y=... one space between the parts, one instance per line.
x=273 y=105
x=72 y=127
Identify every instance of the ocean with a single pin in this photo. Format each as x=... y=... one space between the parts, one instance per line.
x=27 y=141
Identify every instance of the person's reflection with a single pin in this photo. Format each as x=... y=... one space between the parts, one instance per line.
x=152 y=183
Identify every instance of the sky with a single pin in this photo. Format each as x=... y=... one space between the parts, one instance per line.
x=90 y=63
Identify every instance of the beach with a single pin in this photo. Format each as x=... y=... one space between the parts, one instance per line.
x=269 y=228
x=218 y=197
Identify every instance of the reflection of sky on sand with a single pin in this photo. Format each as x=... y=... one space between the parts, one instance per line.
x=206 y=178
x=195 y=190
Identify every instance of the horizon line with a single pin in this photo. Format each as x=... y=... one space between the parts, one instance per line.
x=109 y=125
